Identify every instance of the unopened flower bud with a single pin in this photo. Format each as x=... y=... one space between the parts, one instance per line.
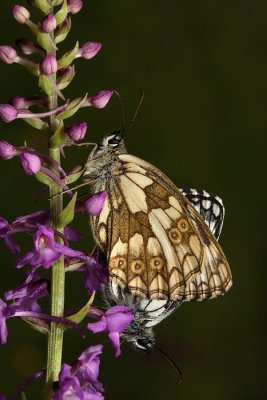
x=8 y=54
x=77 y=131
x=101 y=99
x=7 y=151
x=21 y=14
x=31 y=163
x=49 y=23
x=8 y=113
x=27 y=46
x=18 y=102
x=94 y=205
x=48 y=65
x=75 y=6
x=89 y=50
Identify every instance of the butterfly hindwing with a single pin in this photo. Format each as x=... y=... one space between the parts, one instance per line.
x=157 y=244
x=209 y=206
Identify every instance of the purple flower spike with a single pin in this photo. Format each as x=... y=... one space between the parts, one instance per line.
x=48 y=65
x=101 y=99
x=94 y=205
x=8 y=54
x=77 y=131
x=79 y=382
x=114 y=321
x=3 y=317
x=30 y=163
x=21 y=14
x=8 y=113
x=75 y=6
x=46 y=250
x=89 y=50
x=7 y=151
x=49 y=23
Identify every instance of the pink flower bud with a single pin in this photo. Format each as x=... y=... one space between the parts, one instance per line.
x=89 y=50
x=49 y=23
x=27 y=46
x=21 y=14
x=30 y=163
x=101 y=99
x=8 y=54
x=94 y=205
x=75 y=6
x=77 y=131
x=8 y=113
x=7 y=151
x=18 y=102
x=48 y=65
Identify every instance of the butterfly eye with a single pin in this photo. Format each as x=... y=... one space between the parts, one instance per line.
x=144 y=344
x=114 y=140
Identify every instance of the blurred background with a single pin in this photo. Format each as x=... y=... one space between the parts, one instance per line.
x=203 y=66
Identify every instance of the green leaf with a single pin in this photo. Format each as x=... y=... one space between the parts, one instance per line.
x=44 y=179
x=72 y=108
x=37 y=123
x=57 y=2
x=63 y=31
x=44 y=40
x=58 y=138
x=74 y=175
x=66 y=79
x=67 y=215
x=74 y=267
x=46 y=84
x=23 y=396
x=68 y=57
x=61 y=15
x=43 y=5
x=79 y=316
x=37 y=324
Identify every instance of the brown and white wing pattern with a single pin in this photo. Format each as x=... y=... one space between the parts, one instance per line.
x=157 y=244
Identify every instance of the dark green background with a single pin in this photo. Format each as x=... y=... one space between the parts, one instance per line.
x=203 y=66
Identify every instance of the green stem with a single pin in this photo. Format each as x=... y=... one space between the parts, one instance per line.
x=55 y=338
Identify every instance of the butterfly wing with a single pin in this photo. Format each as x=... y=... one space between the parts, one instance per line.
x=157 y=244
x=209 y=206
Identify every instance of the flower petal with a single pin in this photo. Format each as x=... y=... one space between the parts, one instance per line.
x=98 y=326
x=115 y=340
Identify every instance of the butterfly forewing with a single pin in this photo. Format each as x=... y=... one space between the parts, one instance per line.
x=157 y=244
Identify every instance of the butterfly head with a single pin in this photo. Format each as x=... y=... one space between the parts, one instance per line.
x=141 y=338
x=112 y=141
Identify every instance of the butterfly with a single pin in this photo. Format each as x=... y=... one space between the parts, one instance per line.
x=159 y=242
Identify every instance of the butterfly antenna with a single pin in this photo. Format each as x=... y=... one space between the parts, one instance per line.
x=173 y=364
x=122 y=113
x=136 y=111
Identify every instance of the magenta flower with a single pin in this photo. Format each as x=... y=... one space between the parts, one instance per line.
x=31 y=163
x=101 y=99
x=46 y=250
x=48 y=65
x=8 y=113
x=27 y=46
x=8 y=54
x=75 y=6
x=49 y=23
x=21 y=14
x=23 y=302
x=114 y=321
x=77 y=131
x=80 y=381
x=94 y=205
x=89 y=50
x=7 y=151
